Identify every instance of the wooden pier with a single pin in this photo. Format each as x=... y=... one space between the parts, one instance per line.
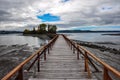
x=63 y=59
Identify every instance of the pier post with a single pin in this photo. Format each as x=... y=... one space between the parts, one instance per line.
x=20 y=75
x=106 y=75
x=38 y=64
x=87 y=65
x=45 y=54
x=86 y=62
x=77 y=52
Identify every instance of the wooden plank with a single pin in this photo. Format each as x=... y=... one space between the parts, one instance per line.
x=61 y=63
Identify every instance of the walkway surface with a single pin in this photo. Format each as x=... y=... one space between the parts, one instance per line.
x=62 y=64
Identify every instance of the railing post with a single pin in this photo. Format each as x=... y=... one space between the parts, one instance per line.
x=86 y=62
x=20 y=74
x=45 y=54
x=106 y=75
x=87 y=65
x=77 y=52
x=38 y=64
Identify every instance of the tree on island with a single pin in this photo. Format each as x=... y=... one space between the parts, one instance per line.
x=52 y=29
x=42 y=29
x=26 y=31
x=33 y=31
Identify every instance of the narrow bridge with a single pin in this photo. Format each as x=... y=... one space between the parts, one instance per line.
x=62 y=59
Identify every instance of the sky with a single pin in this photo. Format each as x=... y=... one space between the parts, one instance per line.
x=66 y=14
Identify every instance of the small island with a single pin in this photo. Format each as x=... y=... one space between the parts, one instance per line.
x=42 y=30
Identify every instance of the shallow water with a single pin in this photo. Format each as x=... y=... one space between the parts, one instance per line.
x=97 y=37
x=94 y=37
x=13 y=39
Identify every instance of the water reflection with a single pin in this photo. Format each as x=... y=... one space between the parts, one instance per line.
x=19 y=39
x=94 y=37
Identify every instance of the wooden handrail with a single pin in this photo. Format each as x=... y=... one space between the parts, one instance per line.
x=102 y=62
x=20 y=66
x=106 y=66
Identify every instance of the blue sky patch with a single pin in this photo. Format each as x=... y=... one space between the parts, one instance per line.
x=97 y=28
x=48 y=18
x=106 y=8
x=65 y=0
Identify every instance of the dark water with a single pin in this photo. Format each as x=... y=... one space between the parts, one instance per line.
x=13 y=39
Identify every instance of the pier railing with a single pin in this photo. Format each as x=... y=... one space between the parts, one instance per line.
x=36 y=56
x=87 y=56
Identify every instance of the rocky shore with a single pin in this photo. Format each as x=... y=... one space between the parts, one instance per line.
x=106 y=51
x=108 y=54
x=41 y=36
x=12 y=55
x=115 y=34
x=97 y=45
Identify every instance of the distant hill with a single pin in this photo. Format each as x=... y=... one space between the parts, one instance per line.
x=81 y=31
x=9 y=32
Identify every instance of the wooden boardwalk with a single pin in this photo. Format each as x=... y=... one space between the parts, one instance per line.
x=62 y=64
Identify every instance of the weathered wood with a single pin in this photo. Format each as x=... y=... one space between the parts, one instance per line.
x=106 y=75
x=78 y=53
x=20 y=75
x=57 y=65
x=20 y=66
x=62 y=63
x=106 y=66
x=44 y=54
x=38 y=64
x=62 y=79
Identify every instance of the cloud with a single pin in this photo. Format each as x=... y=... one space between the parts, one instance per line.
x=16 y=14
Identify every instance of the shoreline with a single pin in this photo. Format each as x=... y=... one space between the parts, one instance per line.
x=115 y=34
x=109 y=55
x=18 y=53
x=97 y=45
x=41 y=36
x=12 y=55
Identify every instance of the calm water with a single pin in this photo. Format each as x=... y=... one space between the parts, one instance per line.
x=12 y=39
x=94 y=37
